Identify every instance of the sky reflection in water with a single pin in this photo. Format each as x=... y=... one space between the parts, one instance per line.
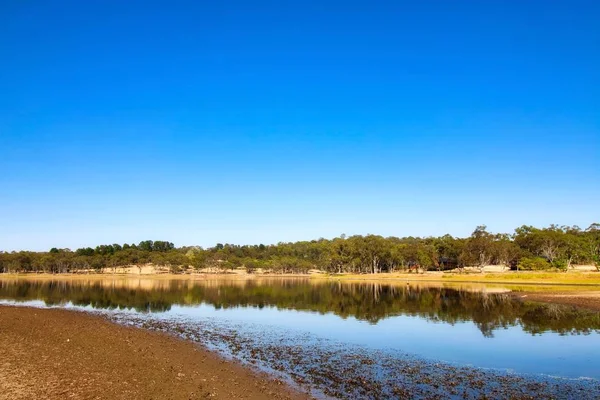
x=550 y=353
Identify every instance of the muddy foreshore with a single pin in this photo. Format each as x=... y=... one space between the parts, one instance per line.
x=59 y=354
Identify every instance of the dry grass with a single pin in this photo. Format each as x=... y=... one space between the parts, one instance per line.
x=509 y=277
x=538 y=278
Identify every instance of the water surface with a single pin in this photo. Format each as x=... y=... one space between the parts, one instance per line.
x=392 y=327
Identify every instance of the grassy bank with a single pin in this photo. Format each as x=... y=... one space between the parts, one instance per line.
x=511 y=277
x=533 y=278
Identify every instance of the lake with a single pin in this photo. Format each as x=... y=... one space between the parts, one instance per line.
x=359 y=340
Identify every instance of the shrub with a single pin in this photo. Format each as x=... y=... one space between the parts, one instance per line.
x=250 y=265
x=561 y=264
x=533 y=264
x=176 y=269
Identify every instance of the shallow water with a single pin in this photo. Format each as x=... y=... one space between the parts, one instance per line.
x=390 y=336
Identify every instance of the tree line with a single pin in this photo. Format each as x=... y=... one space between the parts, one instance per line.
x=528 y=248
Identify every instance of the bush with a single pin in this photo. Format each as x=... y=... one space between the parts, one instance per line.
x=561 y=264
x=596 y=259
x=533 y=264
x=250 y=265
x=176 y=269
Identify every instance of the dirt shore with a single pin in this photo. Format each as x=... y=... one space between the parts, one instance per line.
x=58 y=354
x=585 y=299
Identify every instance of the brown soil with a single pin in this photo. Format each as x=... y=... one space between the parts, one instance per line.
x=585 y=299
x=58 y=354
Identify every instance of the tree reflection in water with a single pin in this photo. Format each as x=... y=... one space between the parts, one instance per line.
x=370 y=302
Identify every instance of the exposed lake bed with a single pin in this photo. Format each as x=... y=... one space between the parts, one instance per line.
x=357 y=340
x=53 y=354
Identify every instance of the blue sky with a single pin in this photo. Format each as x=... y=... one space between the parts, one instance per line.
x=250 y=122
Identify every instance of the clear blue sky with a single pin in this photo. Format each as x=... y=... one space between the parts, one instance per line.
x=248 y=122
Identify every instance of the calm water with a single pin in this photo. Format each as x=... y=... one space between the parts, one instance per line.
x=472 y=326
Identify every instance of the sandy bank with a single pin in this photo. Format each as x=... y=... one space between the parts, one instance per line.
x=58 y=354
x=573 y=277
x=582 y=299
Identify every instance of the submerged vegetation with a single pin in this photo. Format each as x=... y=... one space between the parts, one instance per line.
x=365 y=301
x=528 y=248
